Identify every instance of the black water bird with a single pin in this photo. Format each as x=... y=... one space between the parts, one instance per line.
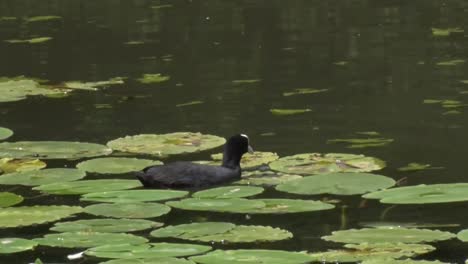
x=183 y=175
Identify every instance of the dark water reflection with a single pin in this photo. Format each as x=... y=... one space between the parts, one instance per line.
x=390 y=67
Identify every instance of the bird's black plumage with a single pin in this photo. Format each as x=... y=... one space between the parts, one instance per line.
x=181 y=174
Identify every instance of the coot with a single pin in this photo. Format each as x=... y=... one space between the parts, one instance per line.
x=180 y=175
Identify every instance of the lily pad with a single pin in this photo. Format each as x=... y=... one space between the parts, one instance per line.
x=40 y=177
x=8 y=199
x=8 y=165
x=450 y=62
x=444 y=32
x=463 y=235
x=401 y=261
x=166 y=144
x=229 y=192
x=37 y=40
x=388 y=235
x=30 y=215
x=267 y=178
x=251 y=160
x=257 y=256
x=189 y=103
x=222 y=232
x=52 y=150
x=105 y=225
x=5 y=133
x=357 y=253
x=217 y=205
x=87 y=186
x=283 y=206
x=337 y=183
x=315 y=163
x=15 y=89
x=93 y=86
x=128 y=210
x=132 y=196
x=115 y=165
x=362 y=142
x=149 y=261
x=42 y=18
x=13 y=245
x=153 y=250
x=153 y=78
x=304 y=91
x=88 y=239
x=285 y=112
x=413 y=166
x=422 y=194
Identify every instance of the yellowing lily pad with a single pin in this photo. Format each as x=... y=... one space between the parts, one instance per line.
x=128 y=210
x=388 y=235
x=104 y=225
x=40 y=177
x=444 y=32
x=15 y=89
x=145 y=251
x=30 y=215
x=8 y=165
x=153 y=78
x=315 y=163
x=251 y=160
x=337 y=183
x=267 y=178
x=88 y=239
x=285 y=112
x=5 y=133
x=166 y=144
x=132 y=196
x=422 y=194
x=222 y=232
x=37 y=40
x=245 y=256
x=8 y=199
x=115 y=165
x=229 y=192
x=52 y=149
x=88 y=186
x=13 y=245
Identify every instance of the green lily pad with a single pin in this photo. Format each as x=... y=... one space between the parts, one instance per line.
x=450 y=62
x=13 y=245
x=153 y=250
x=8 y=199
x=401 y=261
x=87 y=186
x=382 y=224
x=422 y=194
x=153 y=78
x=128 y=210
x=42 y=18
x=444 y=32
x=88 y=239
x=285 y=112
x=284 y=206
x=37 y=40
x=388 y=235
x=116 y=165
x=149 y=261
x=304 y=91
x=463 y=235
x=368 y=133
x=357 y=253
x=257 y=256
x=266 y=178
x=315 y=163
x=15 y=89
x=229 y=192
x=251 y=160
x=337 y=183
x=40 y=177
x=362 y=142
x=93 y=86
x=166 y=144
x=8 y=165
x=105 y=225
x=222 y=232
x=413 y=166
x=132 y=196
x=30 y=215
x=189 y=103
x=5 y=133
x=52 y=150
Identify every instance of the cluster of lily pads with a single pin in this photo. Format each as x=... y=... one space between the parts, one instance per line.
x=122 y=207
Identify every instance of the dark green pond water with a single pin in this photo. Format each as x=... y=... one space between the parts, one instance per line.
x=378 y=60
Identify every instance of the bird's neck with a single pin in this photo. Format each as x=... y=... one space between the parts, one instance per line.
x=231 y=160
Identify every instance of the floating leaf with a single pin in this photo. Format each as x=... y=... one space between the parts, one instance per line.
x=229 y=192
x=406 y=225
x=246 y=81
x=8 y=199
x=362 y=142
x=88 y=239
x=42 y=18
x=284 y=112
x=149 y=261
x=283 y=206
x=5 y=133
x=256 y=256
x=153 y=250
x=13 y=245
x=388 y=235
x=369 y=133
x=40 y=177
x=251 y=160
x=89 y=186
x=450 y=62
x=166 y=144
x=337 y=183
x=422 y=194
x=444 y=32
x=401 y=261
x=37 y=40
x=8 y=165
x=357 y=253
x=217 y=205
x=115 y=165
x=132 y=196
x=413 y=166
x=30 y=215
x=105 y=225
x=304 y=91
x=268 y=178
x=153 y=78
x=93 y=86
x=463 y=235
x=189 y=103
x=315 y=163
x=52 y=149
x=15 y=89
x=128 y=210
